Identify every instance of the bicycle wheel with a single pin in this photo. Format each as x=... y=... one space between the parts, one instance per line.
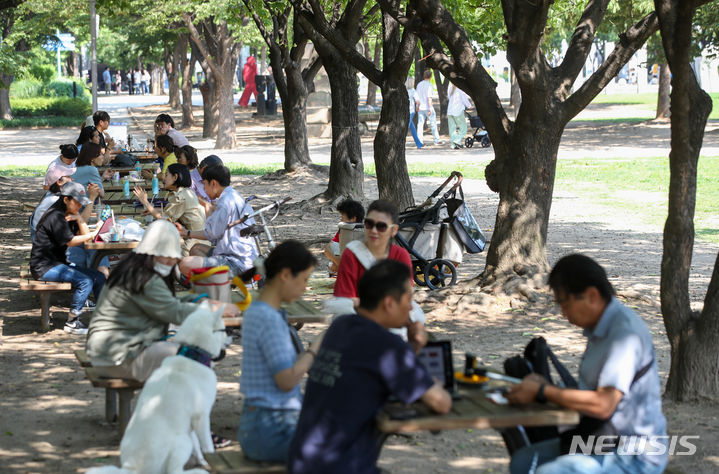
x=440 y=273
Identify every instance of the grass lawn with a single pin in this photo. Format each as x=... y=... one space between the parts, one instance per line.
x=640 y=186
x=648 y=99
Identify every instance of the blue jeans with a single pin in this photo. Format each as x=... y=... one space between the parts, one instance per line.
x=265 y=433
x=82 y=257
x=83 y=280
x=549 y=460
x=413 y=129
x=423 y=116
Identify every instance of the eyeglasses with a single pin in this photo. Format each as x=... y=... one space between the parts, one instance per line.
x=370 y=224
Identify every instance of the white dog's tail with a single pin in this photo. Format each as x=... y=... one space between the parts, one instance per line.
x=108 y=470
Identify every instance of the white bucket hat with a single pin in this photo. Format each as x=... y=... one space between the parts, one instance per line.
x=161 y=239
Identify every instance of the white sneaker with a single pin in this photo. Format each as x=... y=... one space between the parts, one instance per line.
x=75 y=327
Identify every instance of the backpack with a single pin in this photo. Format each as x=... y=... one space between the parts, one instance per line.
x=535 y=359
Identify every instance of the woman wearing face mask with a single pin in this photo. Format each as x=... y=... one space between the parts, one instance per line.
x=182 y=205
x=130 y=322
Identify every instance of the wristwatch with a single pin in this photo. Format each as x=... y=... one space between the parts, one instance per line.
x=539 y=397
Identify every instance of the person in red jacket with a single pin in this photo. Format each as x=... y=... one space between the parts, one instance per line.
x=249 y=71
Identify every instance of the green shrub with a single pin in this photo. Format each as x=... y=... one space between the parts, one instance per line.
x=43 y=72
x=41 y=122
x=50 y=107
x=64 y=88
x=26 y=88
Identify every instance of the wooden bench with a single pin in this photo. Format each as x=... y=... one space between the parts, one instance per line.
x=118 y=392
x=43 y=289
x=235 y=462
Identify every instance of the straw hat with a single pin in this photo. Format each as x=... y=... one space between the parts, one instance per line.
x=161 y=239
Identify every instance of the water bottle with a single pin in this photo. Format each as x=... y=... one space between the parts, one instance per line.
x=155 y=185
x=126 y=187
x=116 y=178
x=138 y=168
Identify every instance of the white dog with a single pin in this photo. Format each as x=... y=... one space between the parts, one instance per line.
x=172 y=416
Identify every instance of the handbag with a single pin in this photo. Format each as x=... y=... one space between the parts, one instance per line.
x=464 y=224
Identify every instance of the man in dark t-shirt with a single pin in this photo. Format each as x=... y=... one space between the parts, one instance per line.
x=358 y=367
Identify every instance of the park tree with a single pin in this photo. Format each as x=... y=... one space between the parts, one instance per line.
x=287 y=43
x=694 y=373
x=523 y=168
x=213 y=37
x=398 y=45
x=346 y=168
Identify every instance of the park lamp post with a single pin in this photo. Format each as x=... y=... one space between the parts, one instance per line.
x=93 y=54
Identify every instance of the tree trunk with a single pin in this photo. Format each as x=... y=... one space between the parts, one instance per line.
x=172 y=69
x=209 y=106
x=694 y=372
x=346 y=168
x=5 y=110
x=73 y=64
x=515 y=95
x=525 y=196
x=156 y=87
x=188 y=67
x=663 y=100
x=226 y=129
x=294 y=115
x=389 y=150
x=442 y=88
x=371 y=86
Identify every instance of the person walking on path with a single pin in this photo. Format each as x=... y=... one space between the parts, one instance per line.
x=249 y=71
x=458 y=102
x=107 y=80
x=423 y=98
x=412 y=108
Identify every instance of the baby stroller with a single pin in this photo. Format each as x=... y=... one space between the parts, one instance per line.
x=480 y=134
x=437 y=232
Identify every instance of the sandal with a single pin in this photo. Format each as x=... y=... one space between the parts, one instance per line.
x=220 y=442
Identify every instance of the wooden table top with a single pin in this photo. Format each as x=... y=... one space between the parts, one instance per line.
x=109 y=186
x=118 y=197
x=119 y=246
x=128 y=169
x=475 y=410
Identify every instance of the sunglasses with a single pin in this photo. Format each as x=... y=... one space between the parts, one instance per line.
x=370 y=224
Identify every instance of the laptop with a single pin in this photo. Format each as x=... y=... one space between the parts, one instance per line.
x=106 y=226
x=436 y=357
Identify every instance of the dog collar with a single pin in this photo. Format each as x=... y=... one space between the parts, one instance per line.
x=196 y=354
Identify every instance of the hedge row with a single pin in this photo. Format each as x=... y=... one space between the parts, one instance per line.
x=50 y=107
x=30 y=88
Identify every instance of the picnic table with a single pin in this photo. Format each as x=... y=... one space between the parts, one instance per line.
x=127 y=170
x=109 y=248
x=118 y=197
x=110 y=186
x=474 y=410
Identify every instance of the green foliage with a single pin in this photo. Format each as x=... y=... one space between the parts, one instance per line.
x=49 y=107
x=64 y=88
x=41 y=122
x=42 y=72
x=26 y=88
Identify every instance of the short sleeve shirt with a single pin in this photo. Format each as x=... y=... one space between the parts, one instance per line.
x=423 y=94
x=51 y=237
x=177 y=138
x=351 y=270
x=358 y=367
x=184 y=207
x=267 y=349
x=86 y=175
x=170 y=159
x=617 y=348
x=68 y=170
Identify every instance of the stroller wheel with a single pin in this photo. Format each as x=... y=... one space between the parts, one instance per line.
x=418 y=275
x=468 y=142
x=485 y=141
x=440 y=273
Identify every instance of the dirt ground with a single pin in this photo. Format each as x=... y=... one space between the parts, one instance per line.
x=51 y=419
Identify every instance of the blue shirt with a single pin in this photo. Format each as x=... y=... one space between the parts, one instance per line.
x=87 y=174
x=267 y=349
x=241 y=251
x=617 y=348
x=359 y=365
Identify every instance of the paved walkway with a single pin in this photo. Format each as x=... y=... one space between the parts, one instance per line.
x=580 y=140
